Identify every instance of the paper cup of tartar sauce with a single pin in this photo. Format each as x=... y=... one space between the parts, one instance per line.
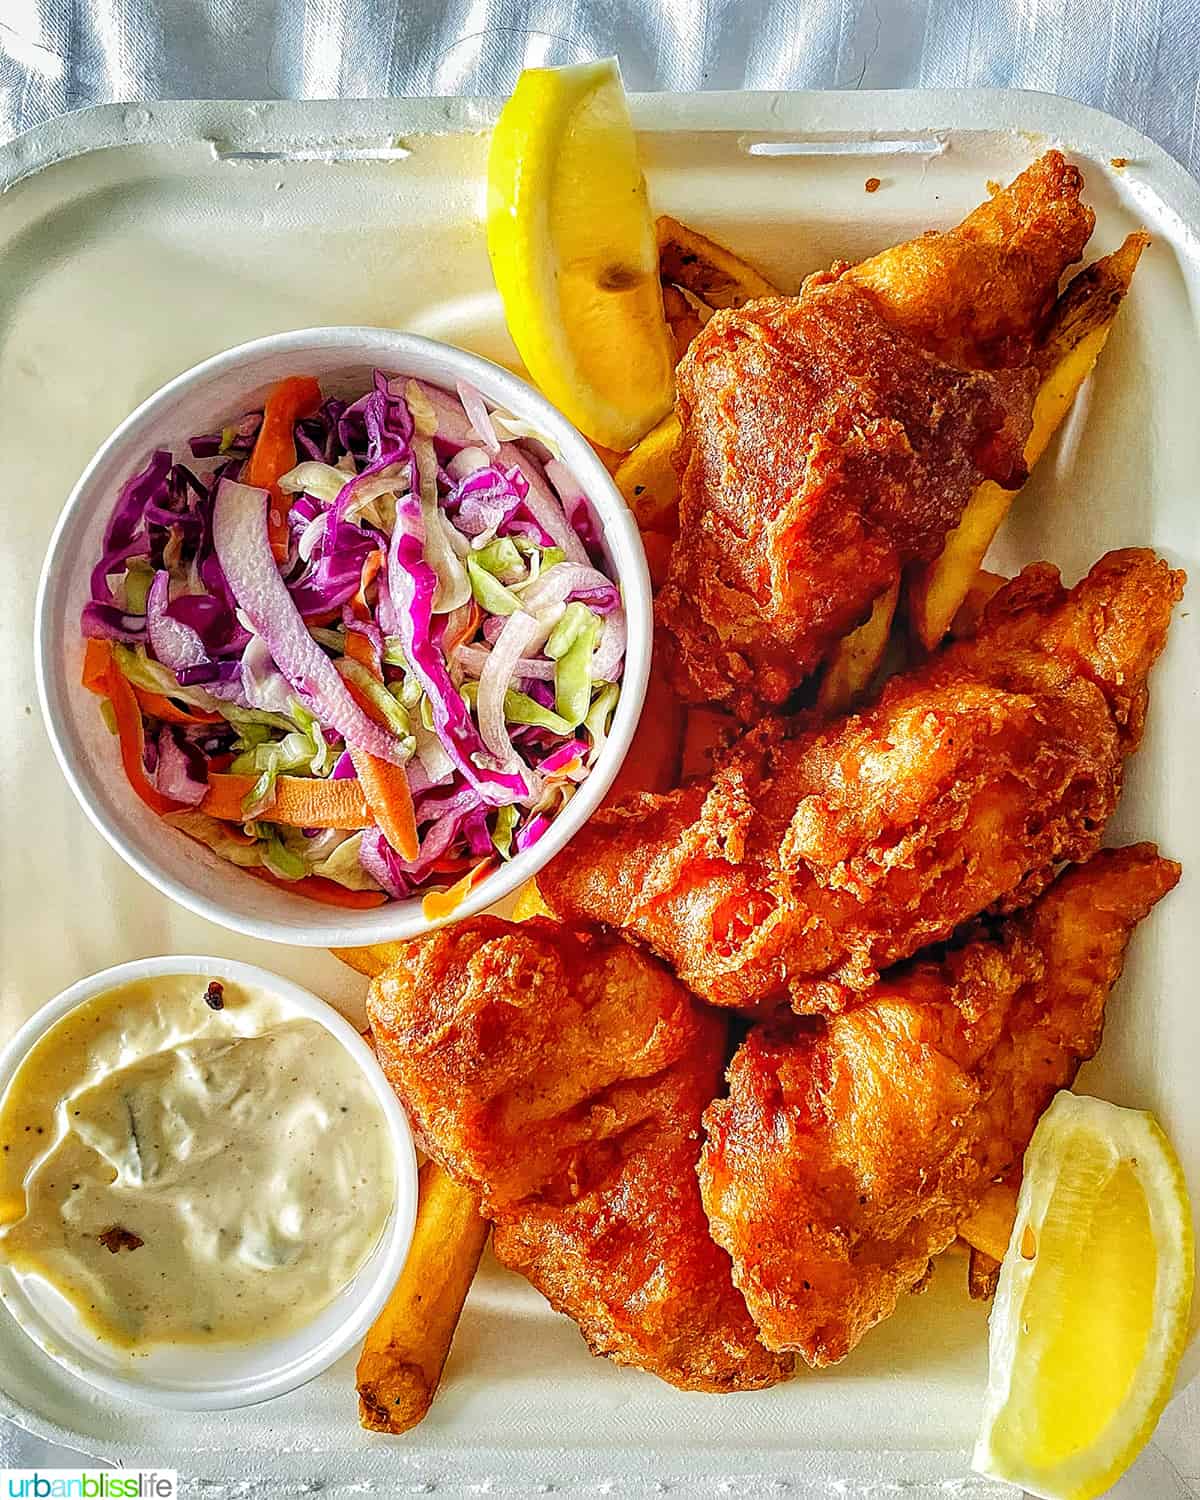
x=207 y=1186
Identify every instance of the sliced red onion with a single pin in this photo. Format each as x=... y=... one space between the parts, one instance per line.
x=542 y=504
x=522 y=632
x=174 y=775
x=454 y=431
x=577 y=507
x=478 y=416
x=244 y=550
x=379 y=860
x=412 y=584
x=561 y=582
x=473 y=659
x=610 y=652
x=175 y=644
x=466 y=462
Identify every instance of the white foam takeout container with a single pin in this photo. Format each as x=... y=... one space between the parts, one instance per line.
x=204 y=399
x=198 y=1377
x=137 y=241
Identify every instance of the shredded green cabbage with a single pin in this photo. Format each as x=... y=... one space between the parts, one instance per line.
x=505 y=825
x=216 y=835
x=571 y=645
x=490 y=594
x=599 y=718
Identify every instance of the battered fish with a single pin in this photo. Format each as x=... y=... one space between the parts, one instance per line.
x=562 y=1075
x=808 y=863
x=849 y=1151
x=829 y=439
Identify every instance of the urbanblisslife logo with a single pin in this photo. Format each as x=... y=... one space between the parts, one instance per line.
x=86 y=1484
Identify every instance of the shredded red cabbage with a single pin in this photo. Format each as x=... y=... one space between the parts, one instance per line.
x=273 y=670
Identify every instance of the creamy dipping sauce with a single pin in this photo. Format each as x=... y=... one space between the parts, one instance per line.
x=185 y=1174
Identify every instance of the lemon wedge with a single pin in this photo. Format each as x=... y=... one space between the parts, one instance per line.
x=1091 y=1312
x=574 y=253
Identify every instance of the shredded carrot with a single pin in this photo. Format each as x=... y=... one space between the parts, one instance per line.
x=389 y=797
x=275 y=449
x=301 y=801
x=327 y=892
x=467 y=630
x=97 y=657
x=358 y=645
x=128 y=716
x=439 y=904
x=162 y=708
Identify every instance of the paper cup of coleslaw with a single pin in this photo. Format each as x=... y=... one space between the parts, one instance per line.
x=460 y=657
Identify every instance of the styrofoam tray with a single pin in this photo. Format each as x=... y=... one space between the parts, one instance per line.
x=137 y=240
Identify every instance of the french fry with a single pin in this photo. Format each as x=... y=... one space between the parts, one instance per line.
x=529 y=903
x=405 y=1351
x=684 y=320
x=989 y=1227
x=970 y=611
x=1077 y=332
x=982 y=1275
x=370 y=961
x=856 y=657
x=647 y=480
x=706 y=269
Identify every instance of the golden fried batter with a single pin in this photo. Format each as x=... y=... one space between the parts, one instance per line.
x=978 y=294
x=821 y=450
x=831 y=438
x=841 y=850
x=849 y=1150
x=562 y=1075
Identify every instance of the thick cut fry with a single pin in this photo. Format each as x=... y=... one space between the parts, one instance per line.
x=707 y=269
x=405 y=1352
x=684 y=320
x=1075 y=335
x=983 y=1275
x=990 y=1225
x=857 y=656
x=372 y=960
x=970 y=612
x=647 y=479
x=530 y=904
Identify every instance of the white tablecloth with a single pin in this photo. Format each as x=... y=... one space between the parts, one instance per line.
x=1139 y=59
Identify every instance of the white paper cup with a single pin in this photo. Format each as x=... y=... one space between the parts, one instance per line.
x=196 y=1377
x=201 y=400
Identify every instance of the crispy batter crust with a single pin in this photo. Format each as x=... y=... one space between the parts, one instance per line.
x=821 y=450
x=978 y=294
x=562 y=1075
x=831 y=854
x=830 y=439
x=849 y=1151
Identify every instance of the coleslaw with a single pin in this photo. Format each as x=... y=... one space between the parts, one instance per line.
x=365 y=649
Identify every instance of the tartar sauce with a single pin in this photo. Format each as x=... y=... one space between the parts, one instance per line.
x=187 y=1170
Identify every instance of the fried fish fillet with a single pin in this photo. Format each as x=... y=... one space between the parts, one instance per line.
x=829 y=439
x=562 y=1075
x=812 y=860
x=849 y=1150
x=977 y=295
